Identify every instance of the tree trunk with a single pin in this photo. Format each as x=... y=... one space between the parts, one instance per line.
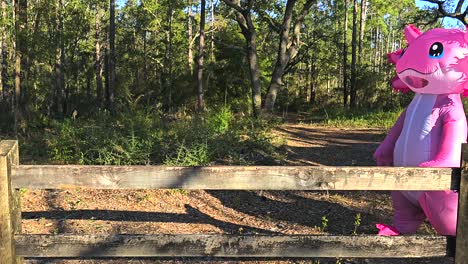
x=362 y=28
x=376 y=49
x=89 y=76
x=170 y=56
x=288 y=49
x=98 y=58
x=313 y=83
x=212 y=21
x=23 y=48
x=244 y=20
x=201 y=54
x=4 y=55
x=59 y=58
x=345 y=55
x=111 y=102
x=17 y=50
x=352 y=101
x=282 y=58
x=190 y=37
x=254 y=72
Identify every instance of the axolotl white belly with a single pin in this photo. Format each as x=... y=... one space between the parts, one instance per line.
x=419 y=139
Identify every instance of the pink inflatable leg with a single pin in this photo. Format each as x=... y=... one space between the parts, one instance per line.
x=406 y=217
x=440 y=208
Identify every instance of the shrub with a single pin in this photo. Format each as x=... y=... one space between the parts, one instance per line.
x=141 y=137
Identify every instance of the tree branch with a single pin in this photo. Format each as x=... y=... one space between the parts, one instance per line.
x=444 y=13
x=234 y=5
x=296 y=42
x=275 y=26
x=240 y=16
x=459 y=6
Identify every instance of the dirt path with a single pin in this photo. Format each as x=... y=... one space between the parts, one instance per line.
x=315 y=145
x=234 y=212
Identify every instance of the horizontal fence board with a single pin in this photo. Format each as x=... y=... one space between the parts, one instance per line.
x=101 y=246
x=235 y=177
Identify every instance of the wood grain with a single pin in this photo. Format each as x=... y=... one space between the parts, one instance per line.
x=235 y=178
x=10 y=208
x=99 y=246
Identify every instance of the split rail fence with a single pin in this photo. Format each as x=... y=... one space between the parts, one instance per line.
x=14 y=246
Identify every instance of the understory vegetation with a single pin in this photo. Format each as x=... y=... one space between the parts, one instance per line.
x=145 y=137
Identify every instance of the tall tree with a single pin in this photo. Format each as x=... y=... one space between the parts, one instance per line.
x=345 y=55
x=111 y=98
x=362 y=28
x=3 y=51
x=17 y=51
x=352 y=101
x=59 y=59
x=190 y=36
x=98 y=55
x=201 y=55
x=288 y=48
x=212 y=27
x=244 y=20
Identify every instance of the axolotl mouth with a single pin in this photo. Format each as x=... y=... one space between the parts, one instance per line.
x=440 y=81
x=416 y=82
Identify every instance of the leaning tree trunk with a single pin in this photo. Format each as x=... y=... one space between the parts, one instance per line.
x=111 y=102
x=201 y=54
x=288 y=49
x=244 y=20
x=282 y=58
x=254 y=72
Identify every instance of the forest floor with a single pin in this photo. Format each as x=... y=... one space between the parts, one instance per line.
x=81 y=211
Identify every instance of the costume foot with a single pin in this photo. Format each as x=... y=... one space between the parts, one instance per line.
x=386 y=230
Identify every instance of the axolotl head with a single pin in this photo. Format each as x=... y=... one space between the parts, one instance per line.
x=434 y=62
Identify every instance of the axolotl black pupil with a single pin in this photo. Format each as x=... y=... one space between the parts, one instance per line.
x=436 y=50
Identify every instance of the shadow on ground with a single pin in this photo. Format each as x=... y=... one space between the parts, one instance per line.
x=330 y=146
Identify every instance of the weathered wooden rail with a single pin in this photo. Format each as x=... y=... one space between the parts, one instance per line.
x=14 y=245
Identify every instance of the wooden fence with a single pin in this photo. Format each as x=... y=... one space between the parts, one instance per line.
x=14 y=245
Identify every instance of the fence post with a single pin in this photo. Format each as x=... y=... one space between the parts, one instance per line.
x=461 y=254
x=10 y=206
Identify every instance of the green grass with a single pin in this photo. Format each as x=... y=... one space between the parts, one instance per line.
x=142 y=137
x=358 y=118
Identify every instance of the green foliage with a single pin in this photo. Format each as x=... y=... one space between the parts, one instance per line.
x=357 y=223
x=218 y=137
x=324 y=226
x=102 y=140
x=142 y=137
x=359 y=117
x=219 y=120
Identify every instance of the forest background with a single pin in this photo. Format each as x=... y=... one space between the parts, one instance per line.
x=196 y=82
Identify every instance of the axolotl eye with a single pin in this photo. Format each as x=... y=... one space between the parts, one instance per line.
x=436 y=50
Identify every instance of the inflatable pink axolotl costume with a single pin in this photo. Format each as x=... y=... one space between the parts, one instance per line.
x=429 y=133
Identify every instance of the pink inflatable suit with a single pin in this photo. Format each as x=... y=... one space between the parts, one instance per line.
x=429 y=133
